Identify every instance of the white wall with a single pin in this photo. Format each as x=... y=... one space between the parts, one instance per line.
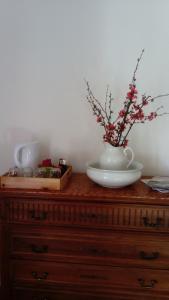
x=48 y=47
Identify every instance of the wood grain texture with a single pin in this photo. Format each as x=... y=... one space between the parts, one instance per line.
x=85 y=242
x=36 y=182
x=80 y=188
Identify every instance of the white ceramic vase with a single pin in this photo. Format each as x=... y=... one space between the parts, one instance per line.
x=116 y=158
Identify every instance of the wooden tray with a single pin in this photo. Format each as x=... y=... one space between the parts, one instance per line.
x=35 y=182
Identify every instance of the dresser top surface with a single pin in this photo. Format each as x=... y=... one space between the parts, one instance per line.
x=80 y=187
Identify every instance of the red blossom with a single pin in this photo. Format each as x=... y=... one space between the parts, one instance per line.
x=122 y=113
x=122 y=126
x=139 y=115
x=134 y=91
x=110 y=126
x=152 y=116
x=99 y=119
x=144 y=102
x=131 y=95
x=125 y=143
x=136 y=106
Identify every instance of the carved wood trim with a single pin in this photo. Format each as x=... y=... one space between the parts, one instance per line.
x=118 y=216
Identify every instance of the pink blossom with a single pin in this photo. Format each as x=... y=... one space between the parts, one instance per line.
x=122 y=113
x=99 y=119
x=111 y=126
x=152 y=116
x=125 y=143
x=144 y=102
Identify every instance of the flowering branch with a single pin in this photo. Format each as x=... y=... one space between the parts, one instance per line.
x=132 y=113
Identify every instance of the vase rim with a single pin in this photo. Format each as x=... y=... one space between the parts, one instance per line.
x=110 y=145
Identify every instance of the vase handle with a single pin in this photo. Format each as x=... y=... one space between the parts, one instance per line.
x=132 y=155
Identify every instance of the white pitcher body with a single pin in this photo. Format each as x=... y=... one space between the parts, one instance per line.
x=27 y=155
x=115 y=158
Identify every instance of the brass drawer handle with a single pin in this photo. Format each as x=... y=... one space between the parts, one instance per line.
x=41 y=217
x=148 y=224
x=149 y=256
x=39 y=249
x=40 y=278
x=149 y=285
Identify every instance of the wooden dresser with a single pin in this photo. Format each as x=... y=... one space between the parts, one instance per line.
x=84 y=243
x=1 y=254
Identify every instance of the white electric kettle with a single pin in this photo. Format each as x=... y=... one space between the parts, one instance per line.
x=27 y=155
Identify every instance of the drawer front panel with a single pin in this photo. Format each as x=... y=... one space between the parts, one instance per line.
x=47 y=295
x=115 y=249
x=89 y=276
x=67 y=294
x=101 y=216
x=32 y=295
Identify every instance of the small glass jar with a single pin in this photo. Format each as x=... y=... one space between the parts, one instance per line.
x=27 y=172
x=56 y=172
x=13 y=172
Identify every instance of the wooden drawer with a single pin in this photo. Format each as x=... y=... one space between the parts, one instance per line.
x=65 y=294
x=28 y=294
x=134 y=217
x=90 y=247
x=49 y=274
x=68 y=294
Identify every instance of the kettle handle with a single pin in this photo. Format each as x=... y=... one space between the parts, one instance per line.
x=17 y=151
